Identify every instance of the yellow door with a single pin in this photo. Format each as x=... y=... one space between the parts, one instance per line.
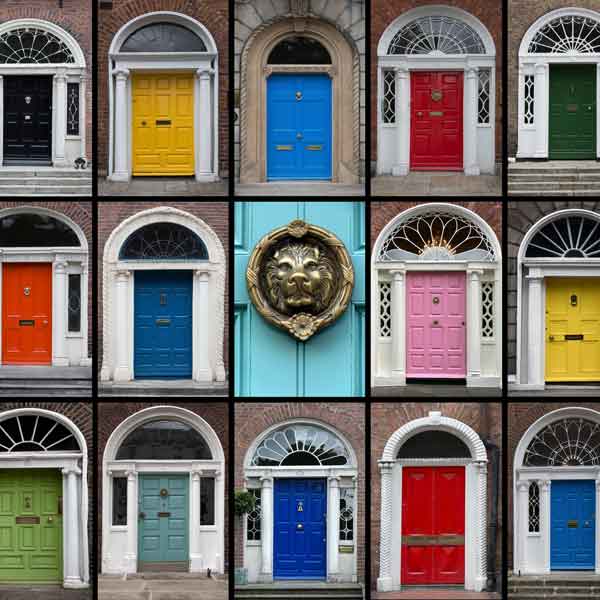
x=573 y=329
x=163 y=124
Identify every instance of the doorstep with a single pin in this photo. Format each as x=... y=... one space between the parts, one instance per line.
x=162 y=387
x=435 y=594
x=161 y=186
x=299 y=188
x=42 y=592
x=555 y=391
x=435 y=183
x=420 y=390
x=46 y=381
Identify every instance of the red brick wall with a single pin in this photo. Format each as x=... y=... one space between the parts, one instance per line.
x=251 y=420
x=489 y=12
x=484 y=418
x=112 y=414
x=75 y=17
x=213 y=14
x=111 y=214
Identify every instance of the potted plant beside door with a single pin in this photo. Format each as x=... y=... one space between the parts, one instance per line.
x=244 y=503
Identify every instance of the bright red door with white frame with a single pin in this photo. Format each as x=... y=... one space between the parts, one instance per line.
x=433 y=525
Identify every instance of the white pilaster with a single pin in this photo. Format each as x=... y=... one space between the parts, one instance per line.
x=130 y=558
x=86 y=360
x=522 y=527
x=220 y=519
x=471 y=163
x=535 y=342
x=195 y=550
x=1 y=117
x=121 y=316
x=545 y=523
x=402 y=165
x=398 y=313
x=204 y=171
x=597 y=141
x=202 y=367
x=481 y=532
x=121 y=172
x=597 y=569
x=72 y=578
x=266 y=572
x=60 y=118
x=540 y=110
x=333 y=528
x=474 y=328
x=59 y=315
x=384 y=581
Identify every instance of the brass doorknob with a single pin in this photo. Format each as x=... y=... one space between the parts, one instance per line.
x=551 y=338
x=419 y=113
x=436 y=322
x=299 y=136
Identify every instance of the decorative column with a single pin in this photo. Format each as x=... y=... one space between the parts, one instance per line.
x=121 y=170
x=195 y=550
x=266 y=524
x=60 y=118
x=220 y=520
x=471 y=116
x=402 y=165
x=522 y=524
x=59 y=325
x=333 y=528
x=130 y=558
x=86 y=360
x=202 y=327
x=540 y=110
x=120 y=333
x=544 y=487
x=597 y=135
x=474 y=328
x=535 y=342
x=205 y=126
x=72 y=578
x=597 y=568
x=398 y=314
x=481 y=574
x=384 y=581
x=1 y=117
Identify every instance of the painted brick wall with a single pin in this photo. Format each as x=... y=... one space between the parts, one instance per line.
x=112 y=414
x=384 y=12
x=75 y=16
x=484 y=418
x=252 y=419
x=213 y=14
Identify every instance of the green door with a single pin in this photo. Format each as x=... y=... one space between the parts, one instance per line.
x=572 y=112
x=163 y=522
x=31 y=526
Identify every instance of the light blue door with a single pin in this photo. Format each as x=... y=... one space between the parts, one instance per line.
x=298 y=126
x=573 y=525
x=268 y=361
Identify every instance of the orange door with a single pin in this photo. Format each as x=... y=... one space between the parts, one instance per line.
x=27 y=313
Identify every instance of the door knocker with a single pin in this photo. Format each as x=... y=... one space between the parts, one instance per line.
x=27 y=502
x=436 y=300
x=300 y=507
x=27 y=99
x=164 y=493
x=298 y=96
x=27 y=291
x=436 y=95
x=163 y=299
x=573 y=300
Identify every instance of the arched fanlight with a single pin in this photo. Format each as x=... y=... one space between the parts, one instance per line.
x=568 y=34
x=299 y=50
x=22 y=230
x=36 y=433
x=32 y=45
x=163 y=37
x=434 y=444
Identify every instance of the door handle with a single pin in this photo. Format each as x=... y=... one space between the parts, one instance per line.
x=551 y=338
x=299 y=136
x=143 y=123
x=436 y=323
x=142 y=515
x=419 y=113
x=299 y=526
x=50 y=519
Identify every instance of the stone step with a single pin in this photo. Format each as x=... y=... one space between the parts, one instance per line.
x=551 y=183
x=554 y=192
x=297 y=595
x=50 y=173
x=553 y=168
x=558 y=177
x=77 y=190
x=541 y=595
x=46 y=181
x=143 y=392
x=282 y=592
x=553 y=588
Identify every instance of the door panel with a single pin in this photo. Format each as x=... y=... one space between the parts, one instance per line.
x=299 y=541
x=572 y=127
x=163 y=324
x=573 y=525
x=27 y=120
x=572 y=329
x=30 y=526
x=299 y=126
x=436 y=332
x=436 y=120
x=27 y=313
x=163 y=124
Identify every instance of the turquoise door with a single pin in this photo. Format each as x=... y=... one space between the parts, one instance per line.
x=268 y=361
x=163 y=519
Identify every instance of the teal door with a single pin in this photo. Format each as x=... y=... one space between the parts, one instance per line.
x=268 y=361
x=163 y=520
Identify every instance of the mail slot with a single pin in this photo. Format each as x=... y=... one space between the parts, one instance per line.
x=572 y=524
x=164 y=514
x=27 y=520
x=319 y=147
x=163 y=322
x=436 y=113
x=26 y=322
x=284 y=147
x=572 y=107
x=433 y=540
x=163 y=121
x=574 y=336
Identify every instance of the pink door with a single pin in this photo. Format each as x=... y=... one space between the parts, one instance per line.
x=435 y=325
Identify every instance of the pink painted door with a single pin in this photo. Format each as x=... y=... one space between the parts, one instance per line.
x=435 y=325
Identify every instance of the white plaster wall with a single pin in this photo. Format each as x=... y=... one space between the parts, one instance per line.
x=252 y=561
x=117 y=545
x=209 y=543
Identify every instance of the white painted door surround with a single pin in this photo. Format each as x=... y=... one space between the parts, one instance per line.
x=390 y=468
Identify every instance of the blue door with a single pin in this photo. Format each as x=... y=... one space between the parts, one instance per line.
x=268 y=361
x=299 y=542
x=299 y=126
x=163 y=324
x=573 y=525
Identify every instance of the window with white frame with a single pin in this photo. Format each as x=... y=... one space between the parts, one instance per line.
x=528 y=99
x=346 y=514
x=253 y=518
x=385 y=309
x=534 y=508
x=483 y=98
x=389 y=97
x=487 y=309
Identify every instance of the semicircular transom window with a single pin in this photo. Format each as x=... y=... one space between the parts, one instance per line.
x=36 y=433
x=436 y=35
x=573 y=236
x=32 y=45
x=164 y=440
x=301 y=446
x=434 y=444
x=565 y=443
x=299 y=50
x=437 y=236
x=163 y=241
x=27 y=230
x=163 y=37
x=569 y=34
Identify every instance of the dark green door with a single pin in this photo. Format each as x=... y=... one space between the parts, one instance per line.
x=572 y=112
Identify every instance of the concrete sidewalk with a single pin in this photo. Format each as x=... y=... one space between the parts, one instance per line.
x=168 y=588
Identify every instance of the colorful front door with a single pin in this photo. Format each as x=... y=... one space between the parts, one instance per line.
x=433 y=525
x=299 y=541
x=299 y=126
x=163 y=521
x=573 y=525
x=27 y=313
x=163 y=324
x=163 y=124
x=572 y=112
x=436 y=120
x=31 y=546
x=572 y=329
x=435 y=325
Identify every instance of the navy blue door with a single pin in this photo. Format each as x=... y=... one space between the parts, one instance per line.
x=163 y=324
x=298 y=126
x=573 y=525
x=299 y=545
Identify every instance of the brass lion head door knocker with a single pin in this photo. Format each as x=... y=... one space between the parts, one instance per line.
x=300 y=278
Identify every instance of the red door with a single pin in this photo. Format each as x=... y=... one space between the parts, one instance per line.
x=436 y=121
x=433 y=525
x=27 y=313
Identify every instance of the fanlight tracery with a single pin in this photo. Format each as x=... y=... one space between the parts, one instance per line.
x=36 y=433
x=573 y=236
x=33 y=46
x=163 y=37
x=436 y=35
x=568 y=442
x=570 y=34
x=437 y=236
x=301 y=445
x=23 y=230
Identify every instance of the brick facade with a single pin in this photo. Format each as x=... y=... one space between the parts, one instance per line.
x=213 y=14
x=384 y=12
x=251 y=421
x=112 y=414
x=484 y=418
x=111 y=214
